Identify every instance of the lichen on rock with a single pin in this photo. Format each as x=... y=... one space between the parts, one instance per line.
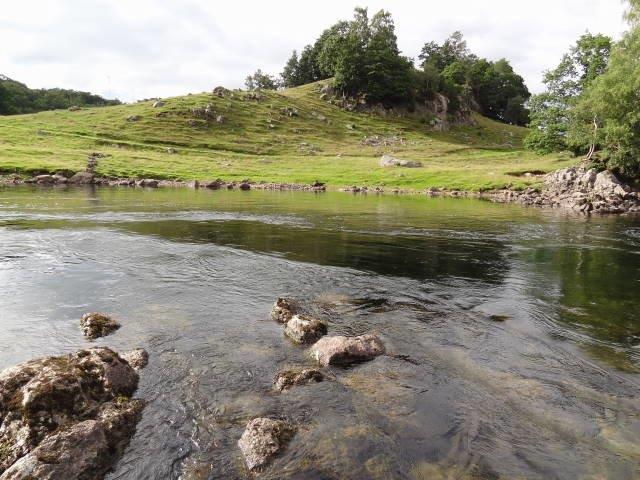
x=262 y=439
x=95 y=325
x=339 y=350
x=286 y=379
x=304 y=329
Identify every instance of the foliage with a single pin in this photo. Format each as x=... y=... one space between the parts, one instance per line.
x=261 y=81
x=16 y=98
x=551 y=110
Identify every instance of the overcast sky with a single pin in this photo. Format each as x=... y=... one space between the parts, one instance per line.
x=146 y=48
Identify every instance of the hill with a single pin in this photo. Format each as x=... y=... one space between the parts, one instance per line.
x=16 y=98
x=289 y=136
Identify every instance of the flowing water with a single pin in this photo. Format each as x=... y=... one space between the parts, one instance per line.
x=516 y=331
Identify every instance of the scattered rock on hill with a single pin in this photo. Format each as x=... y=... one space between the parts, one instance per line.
x=96 y=325
x=220 y=91
x=286 y=379
x=339 y=350
x=284 y=309
x=303 y=329
x=158 y=104
x=74 y=108
x=67 y=417
x=262 y=439
x=133 y=118
x=171 y=150
x=389 y=161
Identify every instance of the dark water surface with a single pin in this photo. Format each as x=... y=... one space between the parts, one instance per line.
x=551 y=392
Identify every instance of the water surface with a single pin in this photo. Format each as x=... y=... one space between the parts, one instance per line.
x=521 y=327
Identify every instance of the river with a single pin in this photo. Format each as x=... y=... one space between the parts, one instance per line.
x=516 y=330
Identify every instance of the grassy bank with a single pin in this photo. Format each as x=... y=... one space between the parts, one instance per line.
x=290 y=136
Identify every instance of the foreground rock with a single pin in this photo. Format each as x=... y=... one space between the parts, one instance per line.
x=338 y=350
x=389 y=161
x=95 y=325
x=303 y=329
x=286 y=379
x=67 y=417
x=262 y=439
x=138 y=358
x=284 y=309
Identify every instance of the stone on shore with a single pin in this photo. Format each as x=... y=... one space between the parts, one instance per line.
x=286 y=379
x=66 y=417
x=82 y=178
x=303 y=329
x=284 y=309
x=148 y=183
x=95 y=325
x=262 y=439
x=389 y=161
x=339 y=350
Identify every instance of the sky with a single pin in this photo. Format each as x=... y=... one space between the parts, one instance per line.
x=138 y=49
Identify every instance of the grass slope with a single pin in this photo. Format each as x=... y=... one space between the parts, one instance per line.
x=258 y=140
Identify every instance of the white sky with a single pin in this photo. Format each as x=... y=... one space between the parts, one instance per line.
x=145 y=48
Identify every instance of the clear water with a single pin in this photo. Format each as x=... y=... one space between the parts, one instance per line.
x=551 y=392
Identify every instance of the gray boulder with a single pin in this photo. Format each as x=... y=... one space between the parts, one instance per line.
x=148 y=183
x=158 y=104
x=66 y=417
x=339 y=350
x=262 y=439
x=303 y=329
x=389 y=161
x=82 y=178
x=96 y=325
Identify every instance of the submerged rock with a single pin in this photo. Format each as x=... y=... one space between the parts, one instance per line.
x=340 y=350
x=284 y=309
x=96 y=325
x=262 y=439
x=303 y=329
x=286 y=379
x=138 y=358
x=66 y=417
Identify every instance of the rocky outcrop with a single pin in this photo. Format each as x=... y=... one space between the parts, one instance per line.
x=286 y=379
x=284 y=309
x=67 y=417
x=262 y=439
x=389 y=161
x=95 y=325
x=304 y=329
x=339 y=350
x=579 y=189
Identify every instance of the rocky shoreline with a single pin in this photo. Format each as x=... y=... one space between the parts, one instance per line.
x=578 y=189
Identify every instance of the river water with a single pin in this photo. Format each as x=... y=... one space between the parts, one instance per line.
x=517 y=329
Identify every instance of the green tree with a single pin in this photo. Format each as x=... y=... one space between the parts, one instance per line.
x=261 y=81
x=551 y=110
x=290 y=74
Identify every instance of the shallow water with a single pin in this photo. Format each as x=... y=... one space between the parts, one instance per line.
x=549 y=392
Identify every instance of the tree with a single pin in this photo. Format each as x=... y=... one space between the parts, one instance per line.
x=261 y=81
x=551 y=110
x=290 y=74
x=453 y=49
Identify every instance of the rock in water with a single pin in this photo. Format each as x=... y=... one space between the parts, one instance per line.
x=340 y=350
x=284 y=309
x=82 y=178
x=286 y=379
x=138 y=358
x=96 y=325
x=303 y=329
x=67 y=417
x=262 y=439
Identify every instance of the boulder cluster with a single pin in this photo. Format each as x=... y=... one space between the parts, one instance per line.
x=265 y=437
x=580 y=189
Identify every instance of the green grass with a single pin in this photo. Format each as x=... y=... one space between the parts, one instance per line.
x=260 y=142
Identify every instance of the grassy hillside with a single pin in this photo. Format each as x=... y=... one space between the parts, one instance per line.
x=263 y=140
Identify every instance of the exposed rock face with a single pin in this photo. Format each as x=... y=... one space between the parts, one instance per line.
x=138 y=358
x=284 y=309
x=67 y=417
x=389 y=161
x=580 y=189
x=286 y=379
x=303 y=329
x=340 y=350
x=82 y=178
x=262 y=439
x=96 y=325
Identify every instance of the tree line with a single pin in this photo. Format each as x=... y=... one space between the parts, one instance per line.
x=363 y=58
x=591 y=105
x=16 y=98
